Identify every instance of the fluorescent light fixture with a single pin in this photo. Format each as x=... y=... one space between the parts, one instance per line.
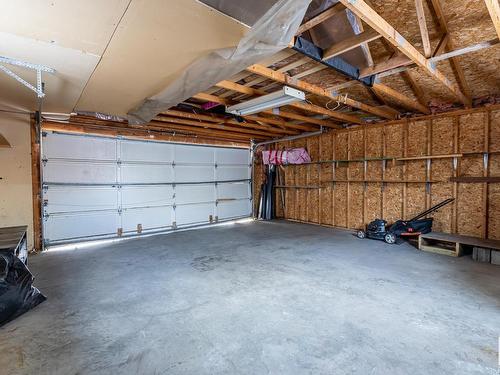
x=279 y=98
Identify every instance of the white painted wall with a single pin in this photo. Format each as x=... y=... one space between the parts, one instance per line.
x=15 y=172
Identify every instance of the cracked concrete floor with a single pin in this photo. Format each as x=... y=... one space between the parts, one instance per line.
x=257 y=298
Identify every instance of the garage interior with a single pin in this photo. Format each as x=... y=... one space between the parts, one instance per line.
x=265 y=187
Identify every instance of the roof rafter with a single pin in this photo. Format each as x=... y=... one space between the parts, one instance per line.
x=494 y=10
x=350 y=43
x=250 y=91
x=422 y=24
x=459 y=72
x=221 y=121
x=330 y=12
x=373 y=19
x=259 y=119
x=316 y=90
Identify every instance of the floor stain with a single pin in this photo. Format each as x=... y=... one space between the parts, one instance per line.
x=208 y=263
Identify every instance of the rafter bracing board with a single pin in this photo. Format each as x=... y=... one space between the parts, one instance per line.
x=379 y=24
x=247 y=90
x=494 y=10
x=350 y=43
x=423 y=28
x=330 y=12
x=316 y=90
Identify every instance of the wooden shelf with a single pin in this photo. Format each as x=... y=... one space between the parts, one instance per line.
x=388 y=158
x=389 y=181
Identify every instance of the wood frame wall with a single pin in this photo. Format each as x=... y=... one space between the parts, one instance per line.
x=448 y=155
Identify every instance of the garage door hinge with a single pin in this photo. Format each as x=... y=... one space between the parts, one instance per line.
x=45 y=202
x=119 y=232
x=174 y=225
x=44 y=161
x=44 y=134
x=119 y=210
x=119 y=162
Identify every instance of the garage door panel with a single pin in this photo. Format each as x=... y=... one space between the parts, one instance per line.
x=232 y=156
x=238 y=190
x=233 y=209
x=149 y=174
x=226 y=173
x=61 y=171
x=195 y=173
x=147 y=152
x=104 y=187
x=78 y=147
x=150 y=218
x=147 y=196
x=194 y=213
x=80 y=198
x=81 y=225
x=194 y=193
x=194 y=155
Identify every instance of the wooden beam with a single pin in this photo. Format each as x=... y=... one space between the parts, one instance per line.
x=330 y=12
x=494 y=10
x=459 y=73
x=379 y=24
x=114 y=130
x=350 y=43
x=310 y=71
x=221 y=120
x=210 y=125
x=250 y=91
x=441 y=47
x=401 y=98
x=417 y=90
x=392 y=63
x=316 y=90
x=259 y=119
x=422 y=24
x=35 y=185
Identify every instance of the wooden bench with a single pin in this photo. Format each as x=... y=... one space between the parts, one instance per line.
x=452 y=244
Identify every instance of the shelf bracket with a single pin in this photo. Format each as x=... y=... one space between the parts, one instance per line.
x=23 y=64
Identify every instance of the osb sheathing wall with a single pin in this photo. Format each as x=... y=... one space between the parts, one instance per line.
x=351 y=194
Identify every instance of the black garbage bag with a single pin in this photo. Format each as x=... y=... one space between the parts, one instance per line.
x=17 y=294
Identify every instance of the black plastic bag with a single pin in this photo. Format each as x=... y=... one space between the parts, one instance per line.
x=17 y=294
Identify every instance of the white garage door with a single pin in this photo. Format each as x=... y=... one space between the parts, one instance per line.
x=98 y=187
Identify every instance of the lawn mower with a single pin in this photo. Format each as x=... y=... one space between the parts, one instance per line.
x=378 y=229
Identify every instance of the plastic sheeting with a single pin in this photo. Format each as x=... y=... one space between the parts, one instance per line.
x=292 y=156
x=270 y=34
x=17 y=294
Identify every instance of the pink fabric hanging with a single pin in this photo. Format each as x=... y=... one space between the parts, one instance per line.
x=292 y=156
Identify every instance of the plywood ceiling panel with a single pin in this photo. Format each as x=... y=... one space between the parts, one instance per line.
x=155 y=41
x=73 y=69
x=83 y=25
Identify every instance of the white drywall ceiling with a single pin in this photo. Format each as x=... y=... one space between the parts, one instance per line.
x=109 y=55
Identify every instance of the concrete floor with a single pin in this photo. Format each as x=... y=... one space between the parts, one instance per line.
x=257 y=298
